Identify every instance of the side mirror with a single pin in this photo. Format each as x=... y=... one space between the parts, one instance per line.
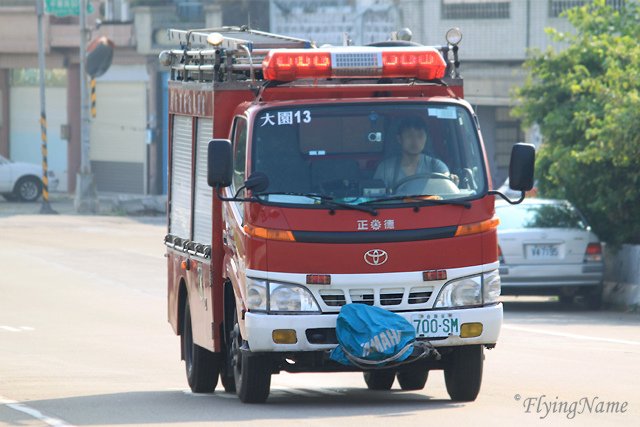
x=521 y=166
x=257 y=182
x=219 y=163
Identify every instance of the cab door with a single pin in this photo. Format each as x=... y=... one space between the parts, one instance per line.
x=234 y=211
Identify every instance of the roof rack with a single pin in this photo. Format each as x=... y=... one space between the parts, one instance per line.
x=225 y=53
x=234 y=36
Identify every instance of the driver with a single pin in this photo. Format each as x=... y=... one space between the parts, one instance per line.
x=412 y=137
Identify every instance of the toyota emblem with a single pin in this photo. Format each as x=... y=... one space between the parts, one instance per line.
x=375 y=257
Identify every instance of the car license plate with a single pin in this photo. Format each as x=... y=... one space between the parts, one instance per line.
x=435 y=325
x=542 y=251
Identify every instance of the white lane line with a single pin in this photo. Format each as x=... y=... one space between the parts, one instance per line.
x=567 y=335
x=50 y=421
x=18 y=329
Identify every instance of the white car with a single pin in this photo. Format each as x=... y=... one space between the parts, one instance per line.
x=22 y=181
x=546 y=247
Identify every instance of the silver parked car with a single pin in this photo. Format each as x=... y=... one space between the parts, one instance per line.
x=546 y=247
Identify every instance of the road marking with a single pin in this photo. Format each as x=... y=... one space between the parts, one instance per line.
x=568 y=335
x=50 y=421
x=13 y=329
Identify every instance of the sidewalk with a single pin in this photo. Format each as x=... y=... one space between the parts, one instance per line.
x=108 y=204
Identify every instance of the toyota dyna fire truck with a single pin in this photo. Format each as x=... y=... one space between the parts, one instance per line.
x=289 y=198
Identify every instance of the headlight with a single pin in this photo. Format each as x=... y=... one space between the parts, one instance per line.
x=256 y=295
x=291 y=298
x=459 y=293
x=279 y=297
x=491 y=287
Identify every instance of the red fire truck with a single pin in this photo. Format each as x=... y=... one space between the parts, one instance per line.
x=302 y=179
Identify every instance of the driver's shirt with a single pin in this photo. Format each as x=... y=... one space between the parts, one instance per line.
x=391 y=172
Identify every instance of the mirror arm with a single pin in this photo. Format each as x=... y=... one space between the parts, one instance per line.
x=239 y=190
x=234 y=198
x=513 y=202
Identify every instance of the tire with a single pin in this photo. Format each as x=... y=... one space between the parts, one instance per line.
x=412 y=378
x=28 y=189
x=201 y=365
x=379 y=380
x=565 y=299
x=463 y=373
x=593 y=299
x=226 y=371
x=252 y=372
x=228 y=381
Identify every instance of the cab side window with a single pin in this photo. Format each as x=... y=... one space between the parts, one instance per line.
x=239 y=152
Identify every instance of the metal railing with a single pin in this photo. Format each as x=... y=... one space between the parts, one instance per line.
x=479 y=9
x=556 y=7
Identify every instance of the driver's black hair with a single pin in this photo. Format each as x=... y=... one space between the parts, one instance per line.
x=411 y=122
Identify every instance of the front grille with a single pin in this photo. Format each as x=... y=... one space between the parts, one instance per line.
x=391 y=296
x=361 y=296
x=386 y=297
x=420 y=295
x=333 y=298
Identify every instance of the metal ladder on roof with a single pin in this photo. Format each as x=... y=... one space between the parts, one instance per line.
x=232 y=52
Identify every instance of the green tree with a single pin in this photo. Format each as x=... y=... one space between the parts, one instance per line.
x=586 y=99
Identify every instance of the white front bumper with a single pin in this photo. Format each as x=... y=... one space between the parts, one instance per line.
x=259 y=328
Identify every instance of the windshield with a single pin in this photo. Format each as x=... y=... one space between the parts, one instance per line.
x=539 y=216
x=368 y=153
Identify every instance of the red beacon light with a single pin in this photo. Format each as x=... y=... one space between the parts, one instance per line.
x=421 y=62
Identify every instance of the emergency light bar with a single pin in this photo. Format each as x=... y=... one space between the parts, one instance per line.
x=421 y=62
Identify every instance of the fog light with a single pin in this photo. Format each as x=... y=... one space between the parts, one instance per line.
x=470 y=330
x=284 y=336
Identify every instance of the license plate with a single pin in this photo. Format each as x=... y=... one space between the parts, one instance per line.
x=542 y=251
x=435 y=325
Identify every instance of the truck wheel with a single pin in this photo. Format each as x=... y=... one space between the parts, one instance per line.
x=252 y=372
x=202 y=366
x=463 y=373
x=226 y=371
x=228 y=381
x=379 y=380
x=412 y=379
x=565 y=299
x=593 y=299
x=28 y=189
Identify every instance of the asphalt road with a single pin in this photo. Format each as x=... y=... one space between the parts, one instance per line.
x=84 y=341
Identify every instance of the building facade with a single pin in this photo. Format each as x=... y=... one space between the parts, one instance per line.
x=129 y=133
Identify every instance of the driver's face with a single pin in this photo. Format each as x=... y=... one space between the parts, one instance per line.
x=413 y=140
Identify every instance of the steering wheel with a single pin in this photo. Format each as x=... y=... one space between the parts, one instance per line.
x=424 y=177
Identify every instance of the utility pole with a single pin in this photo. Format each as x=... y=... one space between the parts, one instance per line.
x=46 y=207
x=86 y=200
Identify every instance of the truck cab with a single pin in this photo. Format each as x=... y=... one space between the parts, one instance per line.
x=321 y=178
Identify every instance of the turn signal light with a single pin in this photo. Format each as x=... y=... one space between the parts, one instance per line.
x=284 y=336
x=269 y=234
x=478 y=227
x=470 y=330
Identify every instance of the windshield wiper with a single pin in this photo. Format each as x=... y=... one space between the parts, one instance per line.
x=418 y=199
x=324 y=199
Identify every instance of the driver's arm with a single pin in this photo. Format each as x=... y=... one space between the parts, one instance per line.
x=440 y=167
